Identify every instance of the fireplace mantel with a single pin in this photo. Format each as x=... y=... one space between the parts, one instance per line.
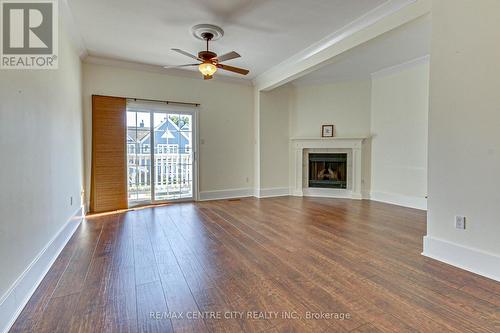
x=320 y=139
x=302 y=146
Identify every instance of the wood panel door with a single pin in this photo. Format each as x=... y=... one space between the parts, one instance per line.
x=109 y=171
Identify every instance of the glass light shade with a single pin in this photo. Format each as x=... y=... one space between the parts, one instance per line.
x=207 y=69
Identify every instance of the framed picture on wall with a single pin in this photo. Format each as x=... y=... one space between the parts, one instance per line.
x=327 y=131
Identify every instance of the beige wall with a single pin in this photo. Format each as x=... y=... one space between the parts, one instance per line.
x=274 y=138
x=400 y=105
x=41 y=153
x=464 y=123
x=390 y=110
x=345 y=104
x=225 y=118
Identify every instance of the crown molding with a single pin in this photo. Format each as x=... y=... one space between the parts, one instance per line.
x=380 y=20
x=397 y=68
x=72 y=28
x=120 y=63
x=331 y=81
x=79 y=43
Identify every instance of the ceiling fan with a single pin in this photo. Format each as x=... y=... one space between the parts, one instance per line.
x=210 y=62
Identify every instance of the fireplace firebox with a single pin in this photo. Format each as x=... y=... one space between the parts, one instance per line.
x=328 y=170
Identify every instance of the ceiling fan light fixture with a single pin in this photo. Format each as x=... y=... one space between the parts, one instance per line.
x=207 y=69
x=210 y=62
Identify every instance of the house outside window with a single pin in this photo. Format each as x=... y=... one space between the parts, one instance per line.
x=168 y=149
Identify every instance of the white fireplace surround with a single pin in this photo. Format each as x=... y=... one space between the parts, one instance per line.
x=302 y=147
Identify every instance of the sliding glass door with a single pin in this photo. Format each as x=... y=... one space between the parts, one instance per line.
x=173 y=156
x=138 y=157
x=161 y=151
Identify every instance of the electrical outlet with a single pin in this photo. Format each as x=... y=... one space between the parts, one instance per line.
x=460 y=222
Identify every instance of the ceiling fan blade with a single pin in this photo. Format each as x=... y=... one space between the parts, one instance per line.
x=178 y=66
x=234 y=69
x=228 y=56
x=187 y=54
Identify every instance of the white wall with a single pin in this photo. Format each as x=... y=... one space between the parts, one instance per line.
x=274 y=140
x=464 y=130
x=400 y=105
x=41 y=158
x=225 y=121
x=344 y=104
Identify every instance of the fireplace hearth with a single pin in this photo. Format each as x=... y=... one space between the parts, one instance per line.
x=328 y=170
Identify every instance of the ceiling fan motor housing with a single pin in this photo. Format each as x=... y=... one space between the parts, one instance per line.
x=206 y=55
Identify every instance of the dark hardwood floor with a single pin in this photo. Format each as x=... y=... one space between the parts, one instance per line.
x=251 y=265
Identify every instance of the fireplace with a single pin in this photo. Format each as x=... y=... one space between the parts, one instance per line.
x=350 y=150
x=328 y=170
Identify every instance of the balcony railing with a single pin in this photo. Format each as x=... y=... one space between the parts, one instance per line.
x=173 y=176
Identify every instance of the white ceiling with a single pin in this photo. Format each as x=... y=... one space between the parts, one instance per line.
x=264 y=32
x=406 y=43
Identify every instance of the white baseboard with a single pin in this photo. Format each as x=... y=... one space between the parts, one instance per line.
x=470 y=259
x=244 y=193
x=14 y=300
x=226 y=194
x=365 y=194
x=272 y=192
x=400 y=200
x=328 y=193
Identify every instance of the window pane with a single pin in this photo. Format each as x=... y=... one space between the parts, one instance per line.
x=138 y=157
x=173 y=156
